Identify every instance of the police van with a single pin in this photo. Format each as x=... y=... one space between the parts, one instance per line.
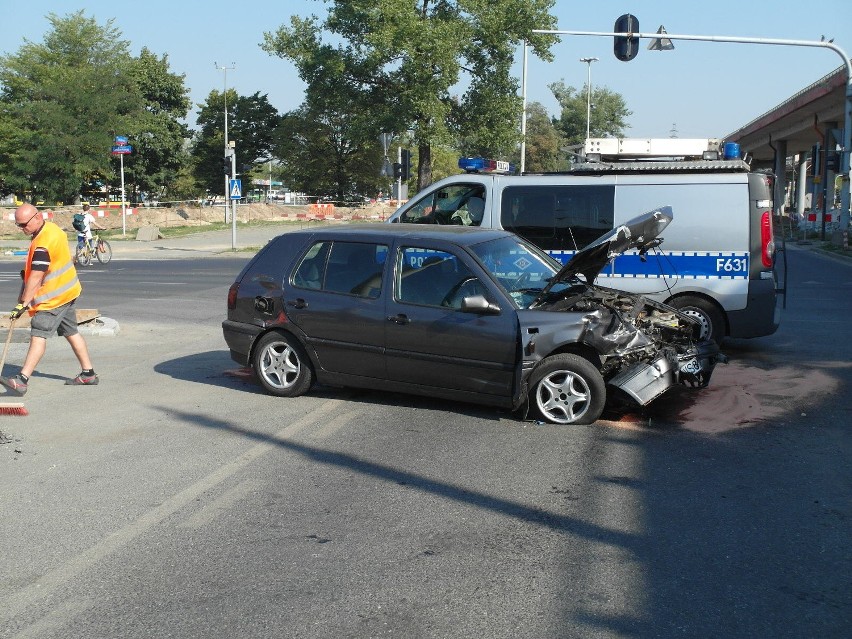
x=717 y=259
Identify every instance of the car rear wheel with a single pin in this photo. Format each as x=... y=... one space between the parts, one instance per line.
x=710 y=317
x=282 y=366
x=568 y=389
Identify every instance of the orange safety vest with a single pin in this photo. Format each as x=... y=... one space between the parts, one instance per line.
x=60 y=284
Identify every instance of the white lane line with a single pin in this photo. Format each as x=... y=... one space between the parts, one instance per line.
x=56 y=619
x=333 y=426
x=44 y=587
x=209 y=512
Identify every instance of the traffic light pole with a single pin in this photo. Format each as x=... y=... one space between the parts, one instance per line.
x=845 y=168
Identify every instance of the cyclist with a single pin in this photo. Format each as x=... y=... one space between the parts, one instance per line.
x=88 y=224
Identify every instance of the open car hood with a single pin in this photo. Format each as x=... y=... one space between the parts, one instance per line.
x=639 y=232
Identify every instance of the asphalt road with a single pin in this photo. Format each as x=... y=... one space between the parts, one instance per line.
x=177 y=500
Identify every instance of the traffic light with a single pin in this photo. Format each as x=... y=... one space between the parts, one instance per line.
x=406 y=164
x=397 y=170
x=626 y=48
x=226 y=165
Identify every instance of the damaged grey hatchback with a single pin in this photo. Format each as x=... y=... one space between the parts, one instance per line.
x=461 y=313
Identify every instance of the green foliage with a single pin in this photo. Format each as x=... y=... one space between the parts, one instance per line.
x=63 y=101
x=608 y=115
x=401 y=61
x=251 y=126
x=543 y=141
x=327 y=153
x=157 y=132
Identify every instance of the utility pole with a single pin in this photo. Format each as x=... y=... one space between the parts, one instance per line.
x=225 y=69
x=588 y=61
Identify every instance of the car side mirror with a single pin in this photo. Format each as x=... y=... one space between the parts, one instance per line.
x=479 y=305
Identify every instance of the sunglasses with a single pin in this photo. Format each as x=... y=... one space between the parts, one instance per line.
x=21 y=225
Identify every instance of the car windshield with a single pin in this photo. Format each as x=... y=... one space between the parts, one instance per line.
x=522 y=270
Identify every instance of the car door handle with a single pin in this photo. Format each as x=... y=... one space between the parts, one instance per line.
x=400 y=319
x=298 y=303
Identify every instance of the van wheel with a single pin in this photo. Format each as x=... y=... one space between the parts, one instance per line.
x=712 y=323
x=568 y=389
x=282 y=366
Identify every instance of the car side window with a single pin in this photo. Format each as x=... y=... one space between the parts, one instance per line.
x=311 y=270
x=354 y=268
x=461 y=204
x=434 y=278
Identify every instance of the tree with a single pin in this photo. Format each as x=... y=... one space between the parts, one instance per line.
x=252 y=122
x=404 y=59
x=157 y=132
x=61 y=103
x=326 y=153
x=543 y=140
x=608 y=115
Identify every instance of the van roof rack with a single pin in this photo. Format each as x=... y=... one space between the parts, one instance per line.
x=659 y=154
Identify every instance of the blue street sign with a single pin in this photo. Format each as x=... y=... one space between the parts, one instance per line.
x=236 y=189
x=120 y=140
x=122 y=150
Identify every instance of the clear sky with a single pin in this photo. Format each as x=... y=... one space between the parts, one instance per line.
x=701 y=89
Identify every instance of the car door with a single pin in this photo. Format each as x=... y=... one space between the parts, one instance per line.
x=335 y=299
x=430 y=340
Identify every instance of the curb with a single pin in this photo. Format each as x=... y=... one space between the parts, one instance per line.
x=101 y=327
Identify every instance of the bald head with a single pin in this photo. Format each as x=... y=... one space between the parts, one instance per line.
x=24 y=217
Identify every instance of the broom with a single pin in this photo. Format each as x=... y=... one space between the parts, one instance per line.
x=10 y=408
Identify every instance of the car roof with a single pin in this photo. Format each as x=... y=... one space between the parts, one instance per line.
x=463 y=235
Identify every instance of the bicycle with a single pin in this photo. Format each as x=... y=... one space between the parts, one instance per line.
x=88 y=251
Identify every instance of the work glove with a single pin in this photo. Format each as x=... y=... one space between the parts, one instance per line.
x=17 y=311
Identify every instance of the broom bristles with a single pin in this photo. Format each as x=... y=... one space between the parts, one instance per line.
x=13 y=409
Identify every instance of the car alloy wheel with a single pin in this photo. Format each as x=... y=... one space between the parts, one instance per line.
x=282 y=366
x=568 y=389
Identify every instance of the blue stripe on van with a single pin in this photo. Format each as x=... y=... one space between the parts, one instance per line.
x=699 y=265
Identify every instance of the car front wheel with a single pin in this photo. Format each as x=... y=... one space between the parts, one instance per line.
x=568 y=389
x=282 y=366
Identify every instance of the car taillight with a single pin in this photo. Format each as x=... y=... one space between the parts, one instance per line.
x=767 y=243
x=232 y=296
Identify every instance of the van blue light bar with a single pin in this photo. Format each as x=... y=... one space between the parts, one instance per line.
x=484 y=165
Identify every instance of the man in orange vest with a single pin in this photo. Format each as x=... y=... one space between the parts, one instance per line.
x=48 y=294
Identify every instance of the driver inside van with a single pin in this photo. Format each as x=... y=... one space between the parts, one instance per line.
x=471 y=214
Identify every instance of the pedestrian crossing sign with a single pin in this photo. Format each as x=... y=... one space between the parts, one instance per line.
x=236 y=189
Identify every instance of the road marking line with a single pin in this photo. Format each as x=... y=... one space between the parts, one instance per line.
x=333 y=426
x=44 y=587
x=210 y=511
x=56 y=619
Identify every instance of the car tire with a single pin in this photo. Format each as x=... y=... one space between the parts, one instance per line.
x=712 y=321
x=282 y=366
x=568 y=389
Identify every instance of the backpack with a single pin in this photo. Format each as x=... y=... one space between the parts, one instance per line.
x=79 y=222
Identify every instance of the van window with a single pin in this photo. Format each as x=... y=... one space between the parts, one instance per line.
x=462 y=204
x=562 y=217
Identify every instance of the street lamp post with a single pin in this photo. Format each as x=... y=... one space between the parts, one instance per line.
x=588 y=61
x=225 y=69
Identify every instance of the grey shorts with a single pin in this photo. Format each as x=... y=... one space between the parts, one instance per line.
x=61 y=320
